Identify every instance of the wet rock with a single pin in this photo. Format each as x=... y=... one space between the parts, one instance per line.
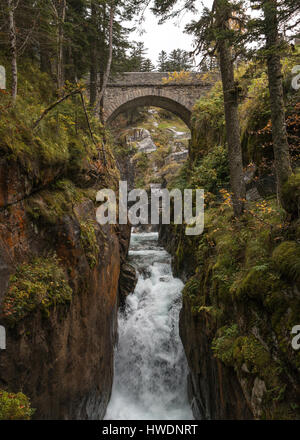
x=214 y=390
x=250 y=173
x=141 y=138
x=179 y=134
x=128 y=281
x=258 y=391
x=136 y=134
x=177 y=157
x=252 y=195
x=146 y=145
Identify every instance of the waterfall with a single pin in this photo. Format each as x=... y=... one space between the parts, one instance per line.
x=150 y=364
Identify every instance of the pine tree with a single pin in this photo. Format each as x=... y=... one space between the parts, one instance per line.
x=178 y=60
x=137 y=57
x=147 y=66
x=162 y=61
x=276 y=13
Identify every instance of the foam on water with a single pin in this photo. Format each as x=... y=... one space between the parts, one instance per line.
x=150 y=366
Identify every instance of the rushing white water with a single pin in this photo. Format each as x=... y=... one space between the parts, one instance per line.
x=150 y=365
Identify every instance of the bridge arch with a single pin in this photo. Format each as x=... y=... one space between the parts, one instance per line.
x=153 y=100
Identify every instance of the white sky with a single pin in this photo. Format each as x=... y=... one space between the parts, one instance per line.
x=168 y=36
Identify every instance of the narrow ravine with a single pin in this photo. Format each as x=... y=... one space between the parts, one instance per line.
x=150 y=365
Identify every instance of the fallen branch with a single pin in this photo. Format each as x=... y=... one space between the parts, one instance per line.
x=52 y=106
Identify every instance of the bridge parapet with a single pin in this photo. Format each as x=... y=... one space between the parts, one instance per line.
x=142 y=79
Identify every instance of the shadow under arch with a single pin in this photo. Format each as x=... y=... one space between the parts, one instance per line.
x=154 y=101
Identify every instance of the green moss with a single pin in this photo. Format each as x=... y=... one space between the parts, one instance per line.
x=223 y=344
x=258 y=282
x=51 y=204
x=291 y=193
x=89 y=242
x=40 y=284
x=248 y=350
x=286 y=259
x=141 y=161
x=238 y=351
x=15 y=406
x=192 y=288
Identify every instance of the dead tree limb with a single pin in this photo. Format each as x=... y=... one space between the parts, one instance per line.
x=52 y=106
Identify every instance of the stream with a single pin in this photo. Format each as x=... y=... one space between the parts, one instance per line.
x=150 y=381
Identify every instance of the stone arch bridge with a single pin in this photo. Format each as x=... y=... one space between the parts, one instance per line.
x=130 y=90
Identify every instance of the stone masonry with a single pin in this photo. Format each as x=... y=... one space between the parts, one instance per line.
x=135 y=89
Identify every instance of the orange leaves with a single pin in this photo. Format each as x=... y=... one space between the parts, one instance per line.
x=227 y=202
x=178 y=77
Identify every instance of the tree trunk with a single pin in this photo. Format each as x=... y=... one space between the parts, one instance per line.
x=13 y=49
x=279 y=133
x=45 y=62
x=94 y=58
x=232 y=127
x=70 y=71
x=60 y=12
x=108 y=67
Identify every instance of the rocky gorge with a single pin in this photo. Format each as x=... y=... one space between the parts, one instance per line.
x=66 y=281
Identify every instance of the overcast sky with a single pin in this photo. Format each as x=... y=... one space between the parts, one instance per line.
x=168 y=36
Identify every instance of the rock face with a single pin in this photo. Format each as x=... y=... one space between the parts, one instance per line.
x=179 y=157
x=147 y=146
x=63 y=361
x=141 y=138
x=128 y=281
x=214 y=391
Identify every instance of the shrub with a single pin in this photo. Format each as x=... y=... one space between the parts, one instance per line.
x=212 y=173
x=14 y=406
x=209 y=120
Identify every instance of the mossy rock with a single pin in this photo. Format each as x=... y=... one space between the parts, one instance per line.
x=40 y=284
x=223 y=344
x=15 y=406
x=286 y=259
x=89 y=242
x=248 y=350
x=291 y=194
x=258 y=282
x=52 y=204
x=193 y=288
